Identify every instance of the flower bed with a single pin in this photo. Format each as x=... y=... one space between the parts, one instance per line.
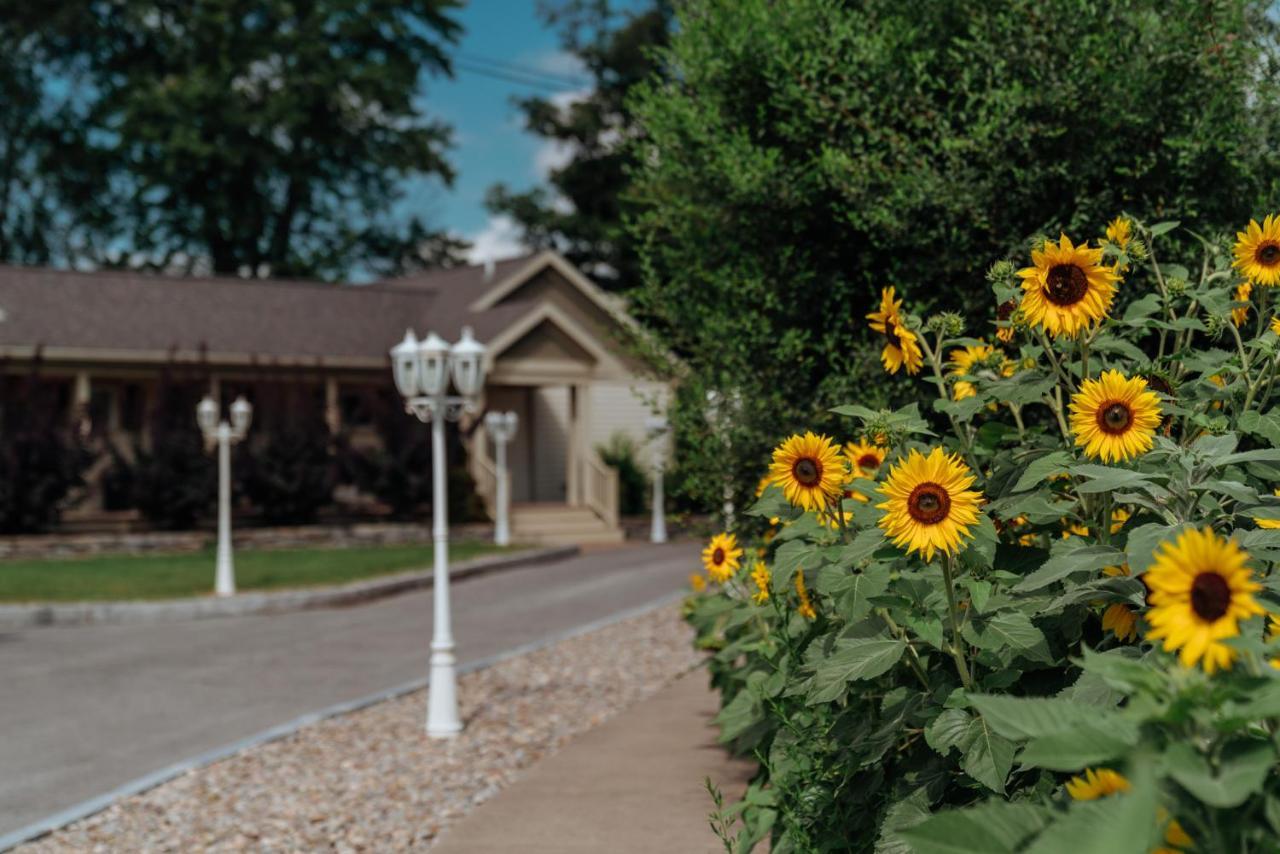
x=1048 y=629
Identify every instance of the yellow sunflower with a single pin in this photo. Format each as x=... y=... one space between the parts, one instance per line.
x=1067 y=288
x=1257 y=252
x=1275 y=325
x=1268 y=523
x=1241 y=313
x=1120 y=619
x=763 y=485
x=901 y=349
x=722 y=557
x=809 y=470
x=1114 y=417
x=929 y=506
x=962 y=361
x=1120 y=232
x=697 y=582
x=1096 y=783
x=1074 y=529
x=1201 y=588
x=864 y=458
x=1004 y=326
x=760 y=575
x=805 y=607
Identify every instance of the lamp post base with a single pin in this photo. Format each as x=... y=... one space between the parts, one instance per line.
x=442 y=696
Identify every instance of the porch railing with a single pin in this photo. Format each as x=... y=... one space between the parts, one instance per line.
x=485 y=474
x=600 y=488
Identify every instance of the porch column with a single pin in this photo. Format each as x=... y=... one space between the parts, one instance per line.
x=573 y=453
x=81 y=392
x=332 y=406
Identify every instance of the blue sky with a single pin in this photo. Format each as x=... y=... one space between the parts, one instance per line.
x=490 y=143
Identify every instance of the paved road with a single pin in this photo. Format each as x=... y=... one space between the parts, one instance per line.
x=85 y=709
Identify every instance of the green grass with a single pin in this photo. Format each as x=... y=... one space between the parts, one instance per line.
x=176 y=575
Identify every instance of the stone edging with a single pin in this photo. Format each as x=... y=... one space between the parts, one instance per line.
x=96 y=805
x=27 y=615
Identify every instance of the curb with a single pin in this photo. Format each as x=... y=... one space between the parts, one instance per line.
x=85 y=809
x=20 y=616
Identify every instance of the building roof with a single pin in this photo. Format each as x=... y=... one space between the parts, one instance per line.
x=134 y=316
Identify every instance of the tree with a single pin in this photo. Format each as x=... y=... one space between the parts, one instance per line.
x=582 y=214
x=251 y=137
x=800 y=155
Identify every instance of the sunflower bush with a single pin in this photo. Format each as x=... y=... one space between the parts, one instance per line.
x=1036 y=616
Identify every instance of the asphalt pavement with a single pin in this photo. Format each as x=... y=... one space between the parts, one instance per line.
x=85 y=709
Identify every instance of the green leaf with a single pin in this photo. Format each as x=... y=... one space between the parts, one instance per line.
x=906 y=813
x=981 y=552
x=1242 y=768
x=1164 y=227
x=1265 y=455
x=1107 y=479
x=1143 y=540
x=1119 y=824
x=1142 y=307
x=853 y=659
x=948 y=730
x=742 y=713
x=850 y=591
x=1070 y=557
x=988 y=757
x=864 y=545
x=1039 y=470
x=1079 y=746
x=994 y=827
x=1266 y=426
x=1009 y=630
x=1032 y=717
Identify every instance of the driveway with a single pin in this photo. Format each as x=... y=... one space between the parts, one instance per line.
x=85 y=709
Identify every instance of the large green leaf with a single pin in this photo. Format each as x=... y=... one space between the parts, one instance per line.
x=994 y=827
x=987 y=756
x=1242 y=768
x=949 y=729
x=1143 y=540
x=1080 y=746
x=906 y=813
x=851 y=591
x=1039 y=470
x=1009 y=630
x=1073 y=556
x=853 y=659
x=1032 y=717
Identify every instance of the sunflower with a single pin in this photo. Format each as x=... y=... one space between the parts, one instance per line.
x=1074 y=529
x=1004 y=326
x=1120 y=232
x=864 y=458
x=1241 y=313
x=1268 y=523
x=809 y=470
x=763 y=485
x=697 y=582
x=1114 y=417
x=901 y=347
x=962 y=361
x=1068 y=288
x=929 y=506
x=1257 y=252
x=1201 y=588
x=1120 y=619
x=760 y=575
x=1275 y=325
x=1096 y=783
x=805 y=607
x=722 y=557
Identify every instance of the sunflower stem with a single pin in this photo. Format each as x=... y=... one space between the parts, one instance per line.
x=935 y=361
x=957 y=645
x=913 y=660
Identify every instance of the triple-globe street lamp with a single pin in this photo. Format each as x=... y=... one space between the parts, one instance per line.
x=223 y=435
x=422 y=371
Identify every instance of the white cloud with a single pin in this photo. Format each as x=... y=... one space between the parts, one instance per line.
x=554 y=153
x=559 y=62
x=500 y=238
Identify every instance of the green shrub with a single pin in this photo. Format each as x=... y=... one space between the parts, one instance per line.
x=41 y=460
x=290 y=474
x=1042 y=624
x=623 y=453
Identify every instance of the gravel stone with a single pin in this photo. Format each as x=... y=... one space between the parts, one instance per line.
x=371 y=780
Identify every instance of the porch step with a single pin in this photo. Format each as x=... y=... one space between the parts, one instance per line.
x=556 y=524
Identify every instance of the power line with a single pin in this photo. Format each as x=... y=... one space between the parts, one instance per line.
x=556 y=77
x=514 y=73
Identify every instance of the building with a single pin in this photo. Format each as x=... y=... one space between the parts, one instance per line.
x=557 y=350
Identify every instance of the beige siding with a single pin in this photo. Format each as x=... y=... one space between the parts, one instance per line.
x=622 y=408
x=550 y=435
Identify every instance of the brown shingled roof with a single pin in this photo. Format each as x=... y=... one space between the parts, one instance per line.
x=146 y=316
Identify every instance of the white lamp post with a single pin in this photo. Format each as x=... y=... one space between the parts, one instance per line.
x=657 y=428
x=502 y=427
x=422 y=370
x=220 y=433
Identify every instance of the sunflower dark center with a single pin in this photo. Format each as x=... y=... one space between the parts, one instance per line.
x=1210 y=596
x=868 y=461
x=1268 y=254
x=891 y=334
x=1066 y=284
x=1006 y=309
x=1114 y=417
x=717 y=557
x=807 y=471
x=929 y=504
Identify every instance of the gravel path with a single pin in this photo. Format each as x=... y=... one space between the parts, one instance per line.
x=372 y=780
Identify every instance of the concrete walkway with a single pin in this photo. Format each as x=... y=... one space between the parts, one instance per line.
x=85 y=709
x=634 y=784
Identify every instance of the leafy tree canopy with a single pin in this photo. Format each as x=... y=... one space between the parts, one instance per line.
x=582 y=213
x=798 y=156
x=246 y=137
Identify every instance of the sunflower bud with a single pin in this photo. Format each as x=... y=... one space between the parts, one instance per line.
x=1002 y=273
x=948 y=323
x=1218 y=424
x=1214 y=324
x=1137 y=250
x=1177 y=286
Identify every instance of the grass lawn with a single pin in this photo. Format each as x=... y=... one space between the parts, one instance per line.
x=176 y=575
